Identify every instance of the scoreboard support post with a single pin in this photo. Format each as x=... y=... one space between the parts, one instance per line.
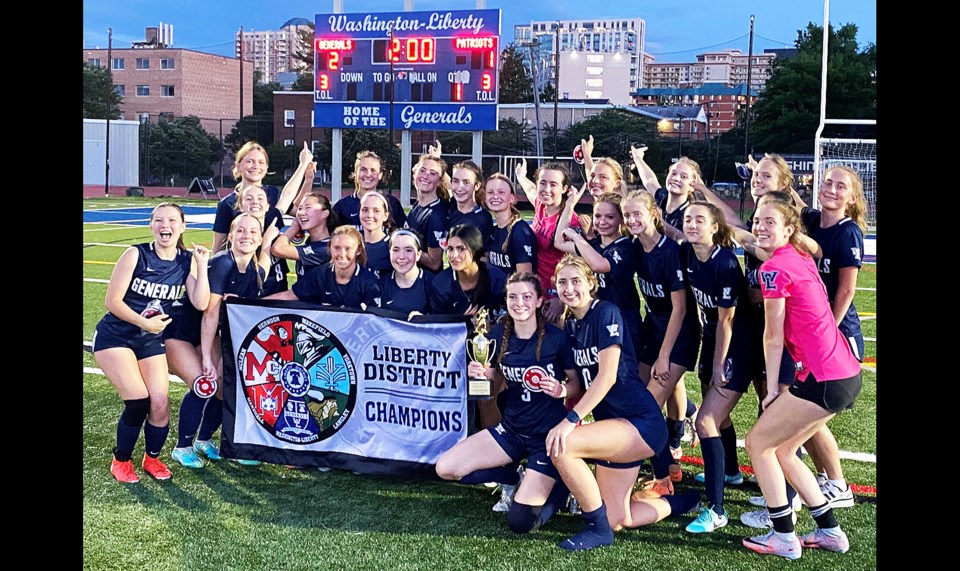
x=406 y=167
x=478 y=149
x=336 y=166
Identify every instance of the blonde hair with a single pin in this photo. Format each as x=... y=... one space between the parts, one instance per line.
x=784 y=174
x=791 y=217
x=583 y=269
x=356 y=167
x=244 y=151
x=352 y=232
x=647 y=201
x=443 y=188
x=228 y=244
x=694 y=166
x=617 y=173
x=857 y=211
x=614 y=199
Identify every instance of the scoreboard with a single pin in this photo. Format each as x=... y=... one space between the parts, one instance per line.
x=439 y=68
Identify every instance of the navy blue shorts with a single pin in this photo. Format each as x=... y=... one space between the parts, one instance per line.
x=740 y=368
x=653 y=431
x=856 y=344
x=519 y=447
x=788 y=368
x=143 y=345
x=834 y=396
x=684 y=351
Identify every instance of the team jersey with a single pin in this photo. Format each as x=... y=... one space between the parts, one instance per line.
x=224 y=278
x=319 y=285
x=521 y=247
x=809 y=329
x=660 y=273
x=478 y=217
x=527 y=410
x=544 y=227
x=603 y=327
x=312 y=254
x=227 y=208
x=431 y=222
x=378 y=256
x=405 y=300
x=716 y=283
x=348 y=211
x=446 y=295
x=617 y=286
x=674 y=218
x=156 y=283
x=842 y=246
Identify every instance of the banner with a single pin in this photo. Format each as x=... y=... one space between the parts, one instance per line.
x=330 y=387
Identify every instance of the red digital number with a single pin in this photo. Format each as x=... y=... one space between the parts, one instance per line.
x=492 y=62
x=458 y=92
x=486 y=82
x=393 y=52
x=427 y=52
x=413 y=50
x=323 y=82
x=333 y=60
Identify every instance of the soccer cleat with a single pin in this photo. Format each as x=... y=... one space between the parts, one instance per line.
x=759 y=501
x=676 y=473
x=245 y=462
x=123 y=472
x=187 y=457
x=690 y=430
x=707 y=521
x=506 y=498
x=761 y=519
x=771 y=543
x=836 y=496
x=654 y=490
x=207 y=448
x=156 y=468
x=727 y=480
x=833 y=539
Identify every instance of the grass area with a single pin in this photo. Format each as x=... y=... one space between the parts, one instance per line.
x=228 y=516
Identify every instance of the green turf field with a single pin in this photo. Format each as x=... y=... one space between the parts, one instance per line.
x=228 y=516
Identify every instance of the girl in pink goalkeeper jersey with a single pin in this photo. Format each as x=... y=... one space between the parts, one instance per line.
x=798 y=317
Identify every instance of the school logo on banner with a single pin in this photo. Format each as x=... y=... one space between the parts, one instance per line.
x=299 y=380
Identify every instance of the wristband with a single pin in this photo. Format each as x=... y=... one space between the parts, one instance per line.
x=573 y=417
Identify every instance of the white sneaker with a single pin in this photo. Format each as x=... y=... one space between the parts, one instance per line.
x=506 y=498
x=836 y=496
x=573 y=506
x=761 y=519
x=760 y=502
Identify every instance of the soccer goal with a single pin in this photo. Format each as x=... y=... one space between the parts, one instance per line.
x=858 y=154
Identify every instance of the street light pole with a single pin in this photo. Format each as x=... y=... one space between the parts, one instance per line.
x=679 y=135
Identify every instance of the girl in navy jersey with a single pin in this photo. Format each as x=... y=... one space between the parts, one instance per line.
x=344 y=282
x=367 y=174
x=429 y=216
x=512 y=247
x=609 y=255
x=799 y=317
x=311 y=228
x=627 y=427
x=127 y=343
x=253 y=201
x=671 y=330
x=405 y=289
x=674 y=199
x=529 y=356
x=193 y=346
x=251 y=165
x=374 y=217
x=467 y=199
x=727 y=364
x=469 y=284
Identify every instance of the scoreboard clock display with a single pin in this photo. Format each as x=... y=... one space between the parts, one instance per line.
x=440 y=69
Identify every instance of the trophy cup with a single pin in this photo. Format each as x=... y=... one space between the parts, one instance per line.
x=481 y=388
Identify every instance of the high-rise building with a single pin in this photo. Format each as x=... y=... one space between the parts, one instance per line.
x=725 y=67
x=612 y=36
x=272 y=51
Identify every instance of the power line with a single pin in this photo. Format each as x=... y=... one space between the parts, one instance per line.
x=726 y=42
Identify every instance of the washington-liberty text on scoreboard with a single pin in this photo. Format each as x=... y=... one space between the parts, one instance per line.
x=440 y=69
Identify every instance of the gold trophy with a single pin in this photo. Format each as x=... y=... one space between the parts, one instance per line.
x=481 y=388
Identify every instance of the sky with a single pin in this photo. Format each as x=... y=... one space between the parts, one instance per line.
x=673 y=34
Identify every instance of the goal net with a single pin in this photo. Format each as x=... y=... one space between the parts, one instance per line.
x=858 y=154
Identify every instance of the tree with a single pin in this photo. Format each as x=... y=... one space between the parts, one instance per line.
x=98 y=92
x=614 y=130
x=304 y=82
x=515 y=81
x=257 y=127
x=180 y=147
x=787 y=113
x=546 y=96
x=263 y=95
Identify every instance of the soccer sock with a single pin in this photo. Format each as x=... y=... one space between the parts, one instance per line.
x=674 y=432
x=839 y=484
x=153 y=438
x=212 y=418
x=824 y=517
x=128 y=427
x=682 y=503
x=782 y=518
x=691 y=409
x=191 y=411
x=596 y=532
x=501 y=474
x=731 y=465
x=712 y=449
x=661 y=463
x=556 y=500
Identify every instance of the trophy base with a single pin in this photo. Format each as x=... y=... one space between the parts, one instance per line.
x=479 y=389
